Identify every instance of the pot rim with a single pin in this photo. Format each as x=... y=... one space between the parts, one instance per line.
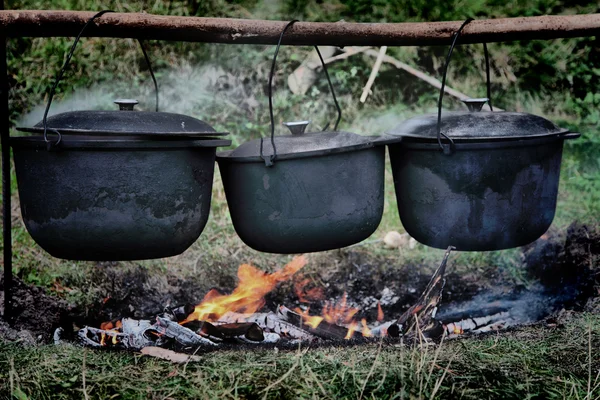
x=377 y=141
x=88 y=132
x=70 y=143
x=224 y=156
x=484 y=139
x=492 y=144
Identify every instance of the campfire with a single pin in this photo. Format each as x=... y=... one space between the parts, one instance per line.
x=239 y=317
x=242 y=317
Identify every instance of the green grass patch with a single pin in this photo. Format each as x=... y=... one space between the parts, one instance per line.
x=531 y=362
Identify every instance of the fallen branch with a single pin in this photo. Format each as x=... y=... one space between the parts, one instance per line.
x=419 y=74
x=373 y=74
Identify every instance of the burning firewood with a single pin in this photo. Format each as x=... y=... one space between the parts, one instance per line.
x=247 y=331
x=419 y=319
x=181 y=334
x=133 y=334
x=269 y=322
x=322 y=328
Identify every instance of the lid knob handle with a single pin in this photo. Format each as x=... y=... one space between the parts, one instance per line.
x=126 y=104
x=475 y=105
x=297 y=127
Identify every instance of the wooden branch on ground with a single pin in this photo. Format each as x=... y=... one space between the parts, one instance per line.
x=350 y=51
x=50 y=23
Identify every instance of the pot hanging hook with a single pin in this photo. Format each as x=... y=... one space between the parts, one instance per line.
x=52 y=144
x=270 y=159
x=448 y=149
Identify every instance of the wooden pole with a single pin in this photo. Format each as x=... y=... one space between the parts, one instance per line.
x=6 y=199
x=19 y=23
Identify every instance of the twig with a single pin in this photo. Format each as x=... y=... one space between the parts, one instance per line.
x=373 y=75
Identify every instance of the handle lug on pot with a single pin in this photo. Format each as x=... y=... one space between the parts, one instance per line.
x=475 y=105
x=126 y=104
x=297 y=127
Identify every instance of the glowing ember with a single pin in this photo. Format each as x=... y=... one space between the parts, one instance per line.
x=248 y=296
x=305 y=294
x=338 y=314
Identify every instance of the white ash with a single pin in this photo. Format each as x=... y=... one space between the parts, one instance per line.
x=387 y=297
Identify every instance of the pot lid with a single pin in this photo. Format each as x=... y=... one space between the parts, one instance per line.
x=301 y=144
x=478 y=125
x=126 y=121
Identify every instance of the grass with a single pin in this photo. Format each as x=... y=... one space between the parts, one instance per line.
x=511 y=365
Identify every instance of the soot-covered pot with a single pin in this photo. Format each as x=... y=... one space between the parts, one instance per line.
x=493 y=186
x=116 y=185
x=323 y=191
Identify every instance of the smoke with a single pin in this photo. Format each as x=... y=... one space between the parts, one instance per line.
x=523 y=306
x=186 y=89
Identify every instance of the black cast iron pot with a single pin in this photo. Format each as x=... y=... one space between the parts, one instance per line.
x=304 y=192
x=324 y=191
x=116 y=185
x=494 y=187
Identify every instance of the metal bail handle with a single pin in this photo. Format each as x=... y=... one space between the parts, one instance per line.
x=474 y=105
x=270 y=159
x=52 y=144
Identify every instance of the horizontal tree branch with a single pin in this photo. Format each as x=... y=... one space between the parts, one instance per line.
x=20 y=23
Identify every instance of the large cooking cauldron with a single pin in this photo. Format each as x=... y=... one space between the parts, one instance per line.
x=477 y=180
x=304 y=192
x=115 y=185
x=496 y=188
x=119 y=185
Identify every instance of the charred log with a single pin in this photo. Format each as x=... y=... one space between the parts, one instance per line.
x=324 y=330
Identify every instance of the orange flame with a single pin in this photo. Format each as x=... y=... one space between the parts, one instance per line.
x=248 y=296
x=379 y=312
x=351 y=330
x=366 y=332
x=340 y=313
x=110 y=327
x=311 y=320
